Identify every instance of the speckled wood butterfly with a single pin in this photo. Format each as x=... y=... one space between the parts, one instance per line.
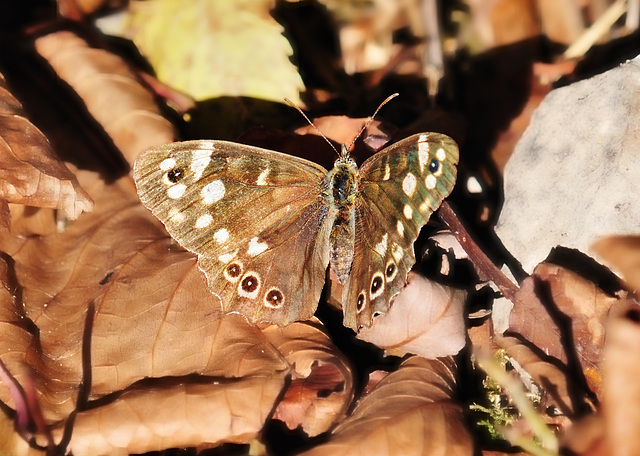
x=265 y=225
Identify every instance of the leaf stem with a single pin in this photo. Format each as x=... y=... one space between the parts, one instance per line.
x=485 y=267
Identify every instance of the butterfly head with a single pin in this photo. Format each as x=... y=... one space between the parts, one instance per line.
x=345 y=155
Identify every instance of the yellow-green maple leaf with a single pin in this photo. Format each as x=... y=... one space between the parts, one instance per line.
x=211 y=48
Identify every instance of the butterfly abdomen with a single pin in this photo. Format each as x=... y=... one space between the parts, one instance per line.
x=343 y=190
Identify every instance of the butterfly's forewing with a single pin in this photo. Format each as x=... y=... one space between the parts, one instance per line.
x=256 y=218
x=400 y=187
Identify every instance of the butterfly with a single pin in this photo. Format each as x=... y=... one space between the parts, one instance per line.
x=265 y=225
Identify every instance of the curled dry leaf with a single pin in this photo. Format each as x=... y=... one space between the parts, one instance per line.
x=111 y=91
x=556 y=306
x=621 y=390
x=114 y=304
x=30 y=172
x=426 y=319
x=321 y=388
x=409 y=412
x=622 y=254
x=614 y=429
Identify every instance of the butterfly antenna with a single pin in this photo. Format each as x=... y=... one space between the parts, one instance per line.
x=291 y=103
x=368 y=122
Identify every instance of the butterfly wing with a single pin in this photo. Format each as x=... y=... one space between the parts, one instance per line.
x=400 y=187
x=256 y=218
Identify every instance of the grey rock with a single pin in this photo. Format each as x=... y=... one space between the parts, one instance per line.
x=575 y=173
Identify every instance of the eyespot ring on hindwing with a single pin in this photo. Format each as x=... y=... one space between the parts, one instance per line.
x=377 y=286
x=233 y=271
x=249 y=285
x=361 y=301
x=390 y=271
x=274 y=298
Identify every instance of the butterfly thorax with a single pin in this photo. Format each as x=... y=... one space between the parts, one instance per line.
x=343 y=182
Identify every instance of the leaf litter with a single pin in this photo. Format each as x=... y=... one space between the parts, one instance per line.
x=111 y=343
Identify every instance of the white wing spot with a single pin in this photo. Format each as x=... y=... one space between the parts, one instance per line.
x=397 y=252
x=256 y=247
x=221 y=236
x=176 y=216
x=226 y=257
x=430 y=182
x=408 y=212
x=409 y=185
x=167 y=164
x=176 y=191
x=213 y=192
x=400 y=228
x=441 y=154
x=424 y=207
x=381 y=247
x=204 y=221
x=262 y=178
x=199 y=160
x=423 y=152
x=387 y=172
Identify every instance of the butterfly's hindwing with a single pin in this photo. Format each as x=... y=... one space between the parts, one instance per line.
x=400 y=187
x=256 y=218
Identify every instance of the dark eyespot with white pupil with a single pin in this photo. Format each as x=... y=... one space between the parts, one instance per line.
x=390 y=270
x=274 y=298
x=434 y=165
x=360 y=302
x=376 y=284
x=249 y=283
x=175 y=175
x=234 y=270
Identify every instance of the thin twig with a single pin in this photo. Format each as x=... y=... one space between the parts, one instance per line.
x=479 y=259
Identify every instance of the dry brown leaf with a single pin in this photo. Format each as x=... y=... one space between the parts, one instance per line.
x=409 y=412
x=576 y=304
x=112 y=301
x=30 y=172
x=111 y=91
x=621 y=389
x=322 y=385
x=182 y=415
x=557 y=385
x=622 y=254
x=613 y=430
x=341 y=129
x=586 y=437
x=426 y=319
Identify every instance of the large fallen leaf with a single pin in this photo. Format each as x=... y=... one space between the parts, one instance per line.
x=426 y=319
x=621 y=390
x=563 y=315
x=613 y=431
x=30 y=172
x=111 y=91
x=409 y=412
x=126 y=345
x=217 y=48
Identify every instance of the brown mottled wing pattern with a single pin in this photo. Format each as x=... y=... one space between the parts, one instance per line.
x=256 y=218
x=400 y=187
